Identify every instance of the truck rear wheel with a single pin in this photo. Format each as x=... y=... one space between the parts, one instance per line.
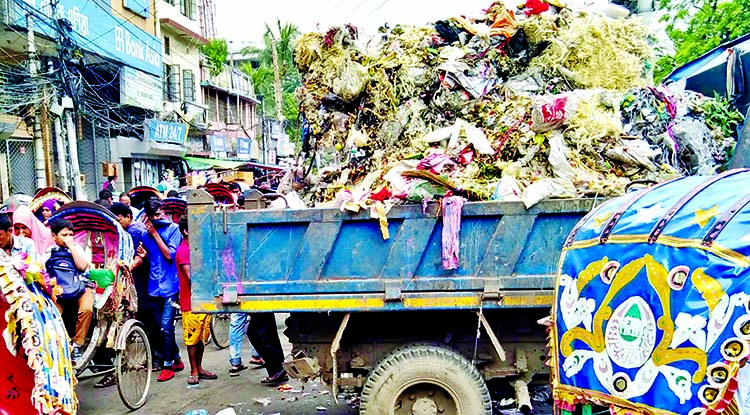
x=425 y=380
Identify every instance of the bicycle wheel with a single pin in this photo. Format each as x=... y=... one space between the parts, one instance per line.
x=133 y=368
x=220 y=330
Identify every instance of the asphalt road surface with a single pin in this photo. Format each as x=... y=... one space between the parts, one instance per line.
x=240 y=393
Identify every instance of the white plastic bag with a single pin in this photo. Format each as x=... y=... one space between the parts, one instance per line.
x=550 y=112
x=507 y=190
x=558 y=158
x=546 y=189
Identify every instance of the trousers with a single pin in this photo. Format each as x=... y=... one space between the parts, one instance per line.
x=264 y=336
x=85 y=304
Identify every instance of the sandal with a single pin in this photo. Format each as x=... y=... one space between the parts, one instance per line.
x=277 y=378
x=193 y=380
x=106 y=381
x=235 y=370
x=207 y=376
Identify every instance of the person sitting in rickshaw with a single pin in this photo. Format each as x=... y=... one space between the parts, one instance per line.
x=67 y=262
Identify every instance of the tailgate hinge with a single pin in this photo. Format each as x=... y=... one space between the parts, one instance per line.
x=393 y=291
x=491 y=289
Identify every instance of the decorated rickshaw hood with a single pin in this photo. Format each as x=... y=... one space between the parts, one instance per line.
x=652 y=307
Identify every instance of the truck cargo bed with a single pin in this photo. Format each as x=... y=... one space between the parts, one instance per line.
x=327 y=260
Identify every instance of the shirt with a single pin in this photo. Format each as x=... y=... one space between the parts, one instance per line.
x=21 y=244
x=137 y=231
x=183 y=258
x=162 y=277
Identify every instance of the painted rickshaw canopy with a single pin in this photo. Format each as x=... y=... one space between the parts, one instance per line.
x=653 y=301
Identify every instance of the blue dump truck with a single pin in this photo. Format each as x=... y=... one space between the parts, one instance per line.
x=383 y=315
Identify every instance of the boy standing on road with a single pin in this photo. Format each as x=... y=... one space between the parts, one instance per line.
x=196 y=327
x=163 y=284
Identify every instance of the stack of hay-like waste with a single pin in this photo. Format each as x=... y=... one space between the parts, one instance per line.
x=521 y=104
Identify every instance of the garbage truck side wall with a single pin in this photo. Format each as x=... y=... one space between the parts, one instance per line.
x=336 y=273
x=325 y=260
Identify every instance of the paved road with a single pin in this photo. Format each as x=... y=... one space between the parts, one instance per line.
x=175 y=398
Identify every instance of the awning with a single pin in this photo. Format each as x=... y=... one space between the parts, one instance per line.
x=196 y=163
x=12 y=126
x=129 y=147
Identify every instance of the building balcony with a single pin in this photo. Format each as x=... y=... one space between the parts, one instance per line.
x=172 y=17
x=231 y=81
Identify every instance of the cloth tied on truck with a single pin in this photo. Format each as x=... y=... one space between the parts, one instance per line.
x=652 y=310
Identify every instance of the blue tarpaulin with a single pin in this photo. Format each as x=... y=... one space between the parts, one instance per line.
x=652 y=307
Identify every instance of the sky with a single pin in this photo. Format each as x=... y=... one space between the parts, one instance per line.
x=242 y=21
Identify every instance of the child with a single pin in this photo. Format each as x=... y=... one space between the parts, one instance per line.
x=67 y=262
x=196 y=327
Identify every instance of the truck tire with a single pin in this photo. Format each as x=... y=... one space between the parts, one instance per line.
x=424 y=380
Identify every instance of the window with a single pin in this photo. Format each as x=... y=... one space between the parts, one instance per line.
x=188 y=8
x=171 y=83
x=188 y=86
x=167 y=46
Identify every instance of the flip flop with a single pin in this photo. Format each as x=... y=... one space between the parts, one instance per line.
x=106 y=382
x=193 y=380
x=207 y=376
x=234 y=370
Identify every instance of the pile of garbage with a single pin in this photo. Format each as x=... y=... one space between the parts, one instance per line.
x=526 y=104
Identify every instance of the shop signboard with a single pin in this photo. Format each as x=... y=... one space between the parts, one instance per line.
x=99 y=30
x=218 y=143
x=243 y=148
x=140 y=89
x=166 y=132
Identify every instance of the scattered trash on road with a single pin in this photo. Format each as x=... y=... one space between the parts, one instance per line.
x=263 y=401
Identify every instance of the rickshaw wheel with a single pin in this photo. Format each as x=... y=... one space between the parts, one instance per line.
x=220 y=330
x=133 y=368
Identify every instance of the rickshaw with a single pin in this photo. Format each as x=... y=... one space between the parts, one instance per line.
x=13 y=202
x=139 y=194
x=652 y=309
x=50 y=197
x=221 y=193
x=38 y=375
x=115 y=303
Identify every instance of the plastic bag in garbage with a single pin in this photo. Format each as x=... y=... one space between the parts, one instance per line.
x=634 y=153
x=507 y=190
x=475 y=136
x=552 y=111
x=558 y=158
x=351 y=81
x=694 y=137
x=546 y=189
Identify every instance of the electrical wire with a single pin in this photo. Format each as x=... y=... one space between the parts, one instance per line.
x=377 y=8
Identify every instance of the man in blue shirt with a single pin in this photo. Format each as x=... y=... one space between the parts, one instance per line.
x=163 y=285
x=140 y=271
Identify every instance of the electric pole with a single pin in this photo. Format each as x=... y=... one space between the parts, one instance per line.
x=277 y=83
x=39 y=155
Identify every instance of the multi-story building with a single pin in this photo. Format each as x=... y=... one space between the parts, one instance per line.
x=80 y=72
x=231 y=118
x=180 y=126
x=116 y=81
